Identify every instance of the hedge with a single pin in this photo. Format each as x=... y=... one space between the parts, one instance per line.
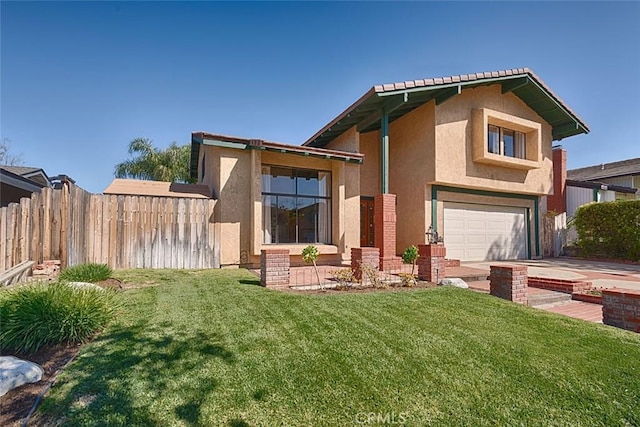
x=609 y=229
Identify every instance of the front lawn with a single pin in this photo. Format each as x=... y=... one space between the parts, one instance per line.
x=212 y=348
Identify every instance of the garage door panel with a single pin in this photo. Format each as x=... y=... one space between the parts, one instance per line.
x=484 y=232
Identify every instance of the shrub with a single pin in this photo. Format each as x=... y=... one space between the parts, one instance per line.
x=310 y=256
x=91 y=273
x=410 y=256
x=609 y=229
x=344 y=277
x=42 y=314
x=373 y=275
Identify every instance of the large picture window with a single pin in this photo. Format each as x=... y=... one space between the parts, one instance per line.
x=296 y=205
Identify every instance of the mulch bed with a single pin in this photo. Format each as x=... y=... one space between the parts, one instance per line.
x=358 y=289
x=16 y=404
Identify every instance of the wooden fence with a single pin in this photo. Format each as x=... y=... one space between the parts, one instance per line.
x=554 y=234
x=75 y=226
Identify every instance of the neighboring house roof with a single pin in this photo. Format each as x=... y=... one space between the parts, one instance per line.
x=606 y=170
x=400 y=98
x=137 y=187
x=600 y=186
x=225 y=141
x=18 y=181
x=37 y=175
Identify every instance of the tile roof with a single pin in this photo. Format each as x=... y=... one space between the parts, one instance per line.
x=137 y=187
x=346 y=118
x=605 y=170
x=20 y=170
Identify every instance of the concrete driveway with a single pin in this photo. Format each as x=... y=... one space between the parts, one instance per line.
x=601 y=274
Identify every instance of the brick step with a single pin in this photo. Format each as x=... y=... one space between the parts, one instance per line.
x=548 y=298
x=474 y=277
x=559 y=285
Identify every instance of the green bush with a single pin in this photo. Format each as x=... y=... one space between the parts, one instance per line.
x=91 y=273
x=410 y=256
x=609 y=229
x=42 y=314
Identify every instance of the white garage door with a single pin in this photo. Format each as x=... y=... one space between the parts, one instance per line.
x=483 y=232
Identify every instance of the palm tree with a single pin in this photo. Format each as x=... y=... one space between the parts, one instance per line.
x=149 y=162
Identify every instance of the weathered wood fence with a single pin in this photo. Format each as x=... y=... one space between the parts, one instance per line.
x=75 y=226
x=554 y=234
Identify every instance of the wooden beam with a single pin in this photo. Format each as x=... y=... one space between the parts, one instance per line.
x=514 y=84
x=448 y=93
x=388 y=107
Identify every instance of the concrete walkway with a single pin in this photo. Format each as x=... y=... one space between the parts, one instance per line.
x=601 y=274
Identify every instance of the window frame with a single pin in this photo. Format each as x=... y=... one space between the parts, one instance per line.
x=501 y=145
x=295 y=196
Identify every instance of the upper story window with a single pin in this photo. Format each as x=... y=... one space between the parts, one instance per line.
x=507 y=142
x=296 y=205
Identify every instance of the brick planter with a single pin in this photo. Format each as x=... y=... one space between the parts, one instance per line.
x=587 y=297
x=274 y=267
x=621 y=308
x=432 y=264
x=559 y=285
x=509 y=282
x=367 y=256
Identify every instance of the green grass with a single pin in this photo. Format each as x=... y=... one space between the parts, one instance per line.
x=90 y=272
x=43 y=314
x=211 y=348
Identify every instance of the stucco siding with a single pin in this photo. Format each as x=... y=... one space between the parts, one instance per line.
x=454 y=147
x=347 y=141
x=370 y=169
x=411 y=164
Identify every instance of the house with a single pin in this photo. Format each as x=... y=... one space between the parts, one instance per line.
x=599 y=183
x=20 y=181
x=468 y=155
x=137 y=187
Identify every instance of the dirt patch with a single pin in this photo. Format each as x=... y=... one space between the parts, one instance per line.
x=16 y=404
x=111 y=283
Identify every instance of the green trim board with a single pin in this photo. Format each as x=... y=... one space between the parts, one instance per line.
x=535 y=199
x=196 y=142
x=384 y=154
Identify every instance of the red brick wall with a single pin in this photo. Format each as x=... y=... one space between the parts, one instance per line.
x=368 y=256
x=558 y=202
x=509 y=282
x=274 y=267
x=621 y=308
x=384 y=224
x=432 y=264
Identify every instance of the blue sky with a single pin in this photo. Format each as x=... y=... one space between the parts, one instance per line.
x=80 y=80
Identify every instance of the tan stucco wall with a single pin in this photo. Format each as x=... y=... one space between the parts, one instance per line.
x=235 y=177
x=411 y=165
x=454 y=148
x=228 y=175
x=347 y=141
x=370 y=169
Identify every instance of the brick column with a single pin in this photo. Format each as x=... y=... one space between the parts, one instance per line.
x=274 y=267
x=431 y=262
x=509 y=282
x=557 y=202
x=384 y=227
x=621 y=308
x=369 y=256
